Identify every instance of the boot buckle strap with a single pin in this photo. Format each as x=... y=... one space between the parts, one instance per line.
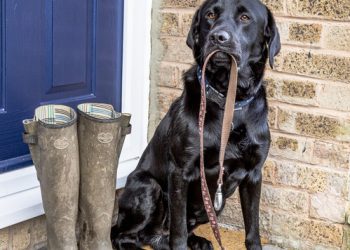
x=30 y=138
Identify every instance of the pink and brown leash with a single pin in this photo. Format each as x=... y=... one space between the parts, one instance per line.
x=225 y=134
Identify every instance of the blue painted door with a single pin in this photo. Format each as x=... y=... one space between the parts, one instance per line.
x=55 y=51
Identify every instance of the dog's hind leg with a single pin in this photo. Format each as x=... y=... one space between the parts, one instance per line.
x=195 y=242
x=137 y=206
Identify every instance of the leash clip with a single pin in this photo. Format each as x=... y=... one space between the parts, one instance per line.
x=218 y=199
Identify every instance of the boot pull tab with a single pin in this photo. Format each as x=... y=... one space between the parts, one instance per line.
x=126 y=130
x=29 y=136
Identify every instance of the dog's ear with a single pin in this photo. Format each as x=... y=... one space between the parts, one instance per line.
x=193 y=34
x=272 y=37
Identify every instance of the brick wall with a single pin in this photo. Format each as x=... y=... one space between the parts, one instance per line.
x=27 y=235
x=305 y=195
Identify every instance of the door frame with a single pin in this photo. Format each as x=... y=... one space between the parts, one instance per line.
x=20 y=196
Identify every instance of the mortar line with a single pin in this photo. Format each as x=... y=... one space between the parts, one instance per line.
x=345 y=113
x=309 y=137
x=301 y=137
x=313 y=166
x=189 y=10
x=303 y=77
x=311 y=19
x=322 y=140
x=301 y=45
x=319 y=110
x=274 y=209
x=323 y=221
x=320 y=51
x=178 y=64
x=284 y=188
x=306 y=105
x=167 y=88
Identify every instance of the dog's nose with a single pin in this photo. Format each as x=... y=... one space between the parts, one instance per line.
x=220 y=37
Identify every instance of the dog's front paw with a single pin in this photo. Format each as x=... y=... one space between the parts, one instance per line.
x=253 y=246
x=125 y=244
x=199 y=243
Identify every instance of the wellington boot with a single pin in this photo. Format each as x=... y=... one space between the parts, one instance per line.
x=101 y=135
x=53 y=143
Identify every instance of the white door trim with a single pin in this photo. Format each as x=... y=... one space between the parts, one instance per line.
x=20 y=197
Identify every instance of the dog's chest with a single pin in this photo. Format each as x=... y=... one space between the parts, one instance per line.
x=241 y=152
x=239 y=142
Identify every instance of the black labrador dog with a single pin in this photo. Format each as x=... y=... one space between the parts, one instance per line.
x=162 y=202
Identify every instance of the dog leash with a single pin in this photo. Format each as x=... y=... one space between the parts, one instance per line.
x=225 y=133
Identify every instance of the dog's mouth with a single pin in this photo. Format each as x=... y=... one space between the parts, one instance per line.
x=222 y=59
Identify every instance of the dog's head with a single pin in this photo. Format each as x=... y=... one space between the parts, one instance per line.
x=245 y=29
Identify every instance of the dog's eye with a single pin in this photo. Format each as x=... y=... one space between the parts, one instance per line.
x=244 y=18
x=211 y=15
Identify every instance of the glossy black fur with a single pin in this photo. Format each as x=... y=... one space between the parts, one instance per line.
x=162 y=202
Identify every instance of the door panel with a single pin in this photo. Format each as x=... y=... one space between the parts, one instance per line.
x=71 y=46
x=2 y=86
x=70 y=40
x=55 y=51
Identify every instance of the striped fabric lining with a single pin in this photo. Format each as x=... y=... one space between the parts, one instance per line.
x=54 y=114
x=99 y=110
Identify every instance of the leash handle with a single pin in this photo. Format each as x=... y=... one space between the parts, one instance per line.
x=226 y=129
